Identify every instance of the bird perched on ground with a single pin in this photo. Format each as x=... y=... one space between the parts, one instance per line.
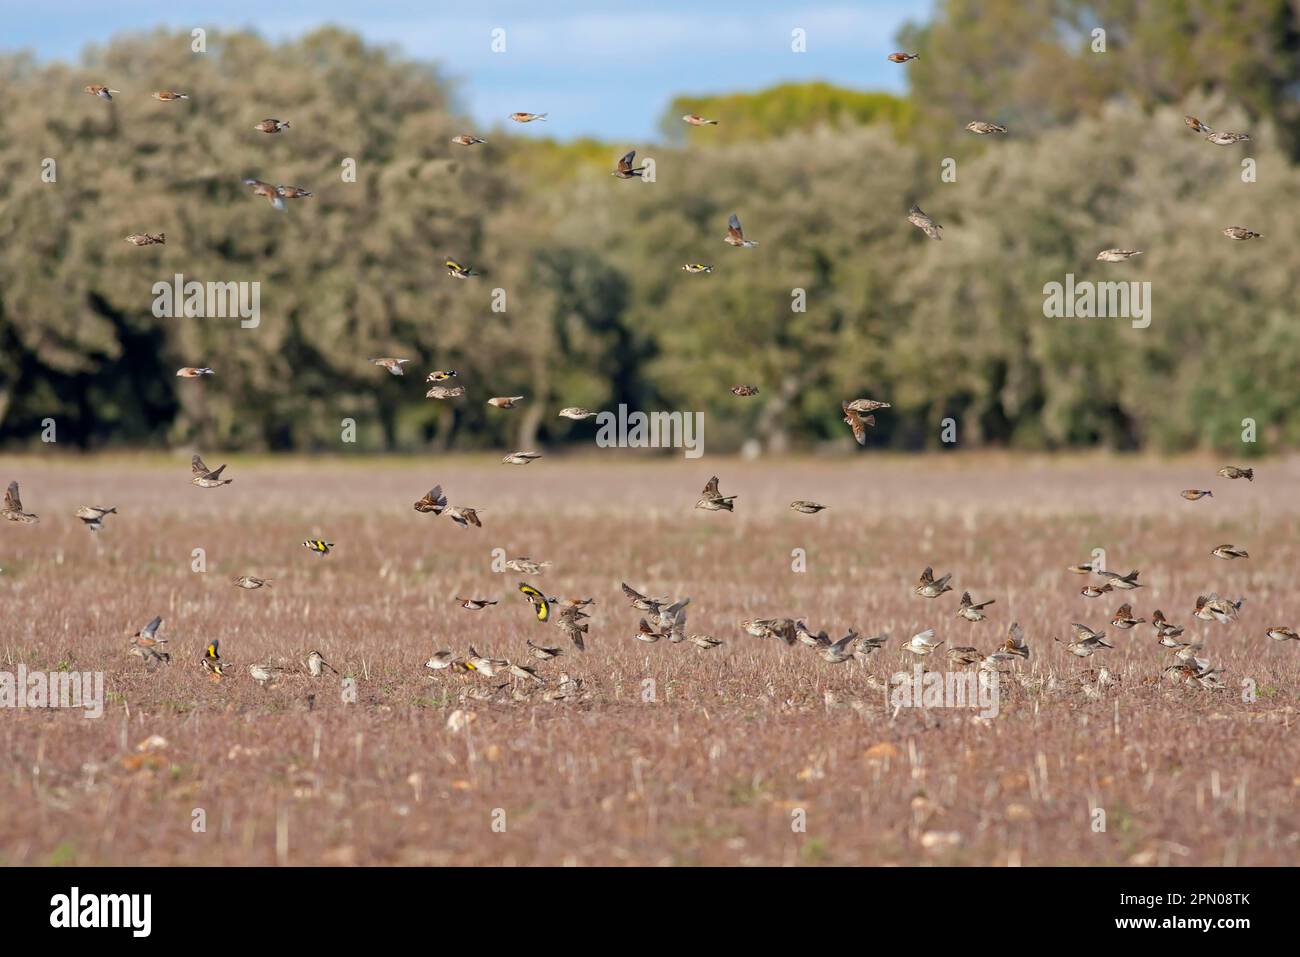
x=316 y=664
x=147 y=239
x=928 y=587
x=93 y=515
x=625 y=169
x=1197 y=125
x=211 y=659
x=1229 y=552
x=1279 y=633
x=735 y=235
x=1232 y=472
x=526 y=566
x=902 y=57
x=505 y=401
x=193 y=372
x=440 y=660
x=394 y=366
x=1192 y=494
x=970 y=610
x=576 y=413
x=807 y=508
x=694 y=119
x=696 y=268
x=103 y=92
x=984 y=129
x=272 y=126
x=1124 y=619
x=1117 y=255
x=520 y=458
x=1227 y=139
x=921 y=221
x=856 y=421
x=713 y=500
x=249 y=582
x=445 y=392
x=528 y=117
x=319 y=546
x=457 y=271
x=922 y=643
x=204 y=477
x=1241 y=233
x=268 y=191
x=265 y=674
x=744 y=391
x=466 y=139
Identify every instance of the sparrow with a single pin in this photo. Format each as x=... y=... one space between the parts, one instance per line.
x=735 y=235
x=1232 y=472
x=205 y=477
x=445 y=392
x=1193 y=674
x=806 y=637
x=526 y=566
x=1229 y=552
x=440 y=660
x=902 y=57
x=1087 y=641
x=316 y=664
x=576 y=412
x=1241 y=232
x=964 y=656
x=394 y=366
x=744 y=391
x=569 y=623
x=807 y=508
x=1122 y=582
x=1192 y=494
x=1227 y=139
x=466 y=139
x=867 y=406
x=1124 y=619
x=543 y=653
x=103 y=92
x=1094 y=591
x=1222 y=610
x=319 y=546
x=93 y=515
x=642 y=602
x=694 y=268
x=713 y=500
x=864 y=646
x=264 y=674
x=434 y=501
x=147 y=239
x=923 y=222
x=1197 y=125
x=249 y=582
x=505 y=401
x=1163 y=629
x=648 y=634
x=704 y=642
x=970 y=610
x=983 y=129
x=464 y=516
x=272 y=126
x=1117 y=255
x=856 y=421
x=292 y=192
x=922 y=643
x=520 y=458
x=693 y=119
x=458 y=271
x=928 y=587
x=625 y=169
x=783 y=628
x=528 y=117
x=271 y=193
x=837 y=652
x=1015 y=643
x=193 y=372
x=167 y=96
x=1278 y=633
x=441 y=375
x=474 y=604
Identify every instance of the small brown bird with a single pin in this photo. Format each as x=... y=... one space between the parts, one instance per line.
x=1279 y=633
x=704 y=642
x=744 y=391
x=1227 y=139
x=526 y=566
x=272 y=126
x=249 y=582
x=648 y=634
x=569 y=623
x=694 y=119
x=625 y=169
x=1229 y=552
x=147 y=239
x=964 y=656
x=92 y=516
x=505 y=401
x=1095 y=591
x=1241 y=233
x=434 y=501
x=1192 y=494
x=445 y=392
x=528 y=117
x=1087 y=641
x=713 y=500
x=902 y=57
x=1214 y=608
x=867 y=406
x=13 y=508
x=465 y=139
x=474 y=604
x=520 y=458
x=1117 y=255
x=316 y=664
x=921 y=221
x=1124 y=619
x=205 y=477
x=807 y=508
x=970 y=610
x=464 y=516
x=735 y=235
x=103 y=92
x=1163 y=629
x=1232 y=472
x=984 y=129
x=928 y=587
x=293 y=192
x=922 y=643
x=1197 y=125
x=1122 y=582
x=856 y=421
x=394 y=366
x=267 y=190
x=783 y=628
x=542 y=652
x=193 y=372
x=167 y=96
x=643 y=602
x=1015 y=643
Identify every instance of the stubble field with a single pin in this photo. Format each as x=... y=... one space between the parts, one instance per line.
x=751 y=753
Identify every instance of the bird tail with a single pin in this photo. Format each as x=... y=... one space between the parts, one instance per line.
x=542 y=116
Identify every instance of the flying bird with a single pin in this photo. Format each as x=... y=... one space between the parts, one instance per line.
x=465 y=139
x=319 y=546
x=744 y=391
x=441 y=375
x=1229 y=552
x=445 y=392
x=807 y=508
x=520 y=458
x=928 y=587
x=394 y=366
x=735 y=235
x=474 y=604
x=921 y=221
x=193 y=372
x=922 y=643
x=1232 y=472
x=625 y=169
x=1241 y=233
x=168 y=96
x=1192 y=494
x=694 y=119
x=103 y=92
x=528 y=117
x=970 y=610
x=902 y=57
x=204 y=477
x=434 y=501
x=272 y=126
x=984 y=129
x=576 y=412
x=249 y=582
x=93 y=515
x=1227 y=139
x=267 y=190
x=695 y=268
x=505 y=401
x=1197 y=125
x=541 y=604
x=713 y=500
x=1117 y=255
x=457 y=271
x=856 y=421
x=147 y=239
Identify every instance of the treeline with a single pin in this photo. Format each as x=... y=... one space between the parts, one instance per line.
x=582 y=300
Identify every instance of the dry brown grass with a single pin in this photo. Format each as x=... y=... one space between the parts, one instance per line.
x=738 y=738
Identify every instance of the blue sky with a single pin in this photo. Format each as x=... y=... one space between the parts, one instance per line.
x=600 y=69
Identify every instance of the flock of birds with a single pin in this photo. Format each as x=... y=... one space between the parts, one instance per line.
x=665 y=618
